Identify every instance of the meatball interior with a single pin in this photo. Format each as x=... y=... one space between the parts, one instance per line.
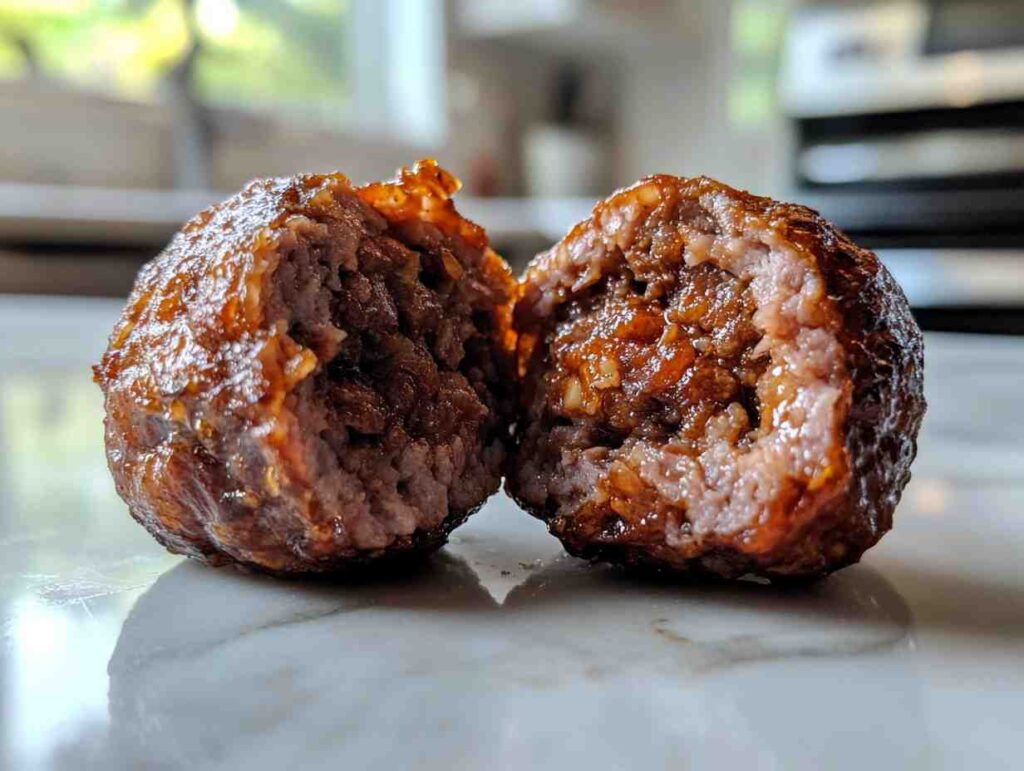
x=688 y=386
x=313 y=373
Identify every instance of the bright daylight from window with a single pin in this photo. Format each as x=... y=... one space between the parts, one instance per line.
x=253 y=53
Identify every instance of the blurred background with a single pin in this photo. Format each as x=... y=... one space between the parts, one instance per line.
x=902 y=120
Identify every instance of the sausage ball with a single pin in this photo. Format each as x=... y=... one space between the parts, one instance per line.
x=716 y=383
x=313 y=374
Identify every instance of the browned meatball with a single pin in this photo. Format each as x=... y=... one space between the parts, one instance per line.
x=312 y=374
x=714 y=382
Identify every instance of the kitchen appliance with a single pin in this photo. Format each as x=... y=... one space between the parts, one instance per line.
x=908 y=118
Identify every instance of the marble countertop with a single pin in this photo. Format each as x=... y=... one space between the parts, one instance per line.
x=502 y=652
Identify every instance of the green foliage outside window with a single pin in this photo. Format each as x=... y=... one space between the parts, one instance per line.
x=258 y=53
x=757 y=32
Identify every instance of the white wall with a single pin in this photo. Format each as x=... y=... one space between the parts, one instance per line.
x=666 y=72
x=673 y=115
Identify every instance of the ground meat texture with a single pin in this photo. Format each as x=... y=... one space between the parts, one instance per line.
x=716 y=383
x=313 y=375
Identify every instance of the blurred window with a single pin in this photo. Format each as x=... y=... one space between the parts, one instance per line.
x=757 y=31
x=364 y=63
x=253 y=53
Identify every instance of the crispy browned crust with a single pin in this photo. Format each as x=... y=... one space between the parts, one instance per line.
x=884 y=405
x=202 y=432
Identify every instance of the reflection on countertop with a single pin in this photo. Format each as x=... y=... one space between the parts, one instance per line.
x=219 y=665
x=500 y=651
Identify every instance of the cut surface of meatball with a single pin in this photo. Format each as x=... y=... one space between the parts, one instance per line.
x=716 y=383
x=313 y=375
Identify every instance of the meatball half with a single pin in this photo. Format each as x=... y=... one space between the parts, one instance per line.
x=313 y=374
x=716 y=383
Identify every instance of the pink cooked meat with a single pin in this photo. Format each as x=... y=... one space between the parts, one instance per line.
x=313 y=374
x=714 y=382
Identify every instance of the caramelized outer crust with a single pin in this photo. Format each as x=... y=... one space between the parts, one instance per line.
x=831 y=517
x=202 y=427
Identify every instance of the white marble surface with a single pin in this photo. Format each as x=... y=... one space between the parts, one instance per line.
x=502 y=653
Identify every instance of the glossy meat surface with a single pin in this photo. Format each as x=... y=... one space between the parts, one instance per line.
x=714 y=382
x=312 y=375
